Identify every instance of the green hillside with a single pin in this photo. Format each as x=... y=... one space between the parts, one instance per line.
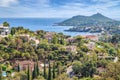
x=94 y=20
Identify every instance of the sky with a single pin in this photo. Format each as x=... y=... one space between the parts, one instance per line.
x=58 y=8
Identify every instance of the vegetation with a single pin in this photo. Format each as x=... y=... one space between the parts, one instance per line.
x=112 y=71
x=0 y=72
x=45 y=75
x=49 y=72
x=61 y=59
x=54 y=73
x=34 y=74
x=18 y=67
x=28 y=73
x=6 y=24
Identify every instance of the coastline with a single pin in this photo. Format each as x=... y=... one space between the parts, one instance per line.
x=41 y=24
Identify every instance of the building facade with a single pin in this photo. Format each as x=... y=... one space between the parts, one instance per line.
x=4 y=30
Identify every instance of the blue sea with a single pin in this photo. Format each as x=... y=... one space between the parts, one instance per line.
x=45 y=24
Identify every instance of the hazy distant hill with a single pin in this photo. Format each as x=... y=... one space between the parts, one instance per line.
x=95 y=23
x=94 y=20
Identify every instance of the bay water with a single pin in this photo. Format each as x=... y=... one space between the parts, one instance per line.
x=46 y=24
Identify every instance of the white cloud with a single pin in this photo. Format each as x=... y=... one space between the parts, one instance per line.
x=106 y=7
x=43 y=2
x=34 y=3
x=43 y=8
x=7 y=3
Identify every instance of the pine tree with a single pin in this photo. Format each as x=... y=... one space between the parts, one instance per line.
x=45 y=76
x=28 y=73
x=54 y=71
x=18 y=67
x=49 y=72
x=6 y=24
x=55 y=40
x=63 y=42
x=0 y=72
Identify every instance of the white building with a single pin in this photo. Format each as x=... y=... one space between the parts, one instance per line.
x=4 y=30
x=71 y=49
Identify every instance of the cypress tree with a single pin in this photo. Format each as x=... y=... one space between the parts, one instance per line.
x=49 y=72
x=28 y=73
x=45 y=76
x=0 y=72
x=18 y=67
x=58 y=70
x=34 y=73
x=54 y=70
x=37 y=68
x=12 y=31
